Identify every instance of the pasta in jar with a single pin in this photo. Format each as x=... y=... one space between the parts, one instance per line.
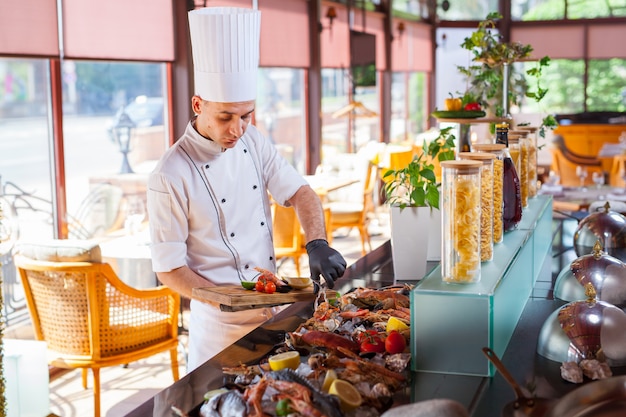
x=461 y=211
x=498 y=184
x=486 y=201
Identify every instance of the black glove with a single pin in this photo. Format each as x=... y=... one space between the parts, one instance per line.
x=325 y=261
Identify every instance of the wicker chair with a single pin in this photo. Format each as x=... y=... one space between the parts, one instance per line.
x=88 y=316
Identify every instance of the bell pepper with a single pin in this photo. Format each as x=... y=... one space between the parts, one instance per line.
x=453 y=104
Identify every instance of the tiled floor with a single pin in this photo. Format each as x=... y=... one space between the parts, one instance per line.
x=124 y=388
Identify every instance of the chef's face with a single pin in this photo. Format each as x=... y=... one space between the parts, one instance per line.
x=224 y=123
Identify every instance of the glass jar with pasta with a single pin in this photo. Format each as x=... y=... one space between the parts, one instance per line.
x=524 y=153
x=460 y=217
x=497 y=150
x=486 y=200
x=532 y=158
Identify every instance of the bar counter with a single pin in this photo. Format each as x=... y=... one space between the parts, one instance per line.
x=483 y=396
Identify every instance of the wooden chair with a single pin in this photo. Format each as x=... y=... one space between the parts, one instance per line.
x=89 y=318
x=564 y=161
x=289 y=239
x=287 y=236
x=357 y=213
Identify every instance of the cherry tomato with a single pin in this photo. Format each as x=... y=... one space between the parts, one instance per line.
x=270 y=287
x=473 y=106
x=395 y=343
x=260 y=286
x=372 y=341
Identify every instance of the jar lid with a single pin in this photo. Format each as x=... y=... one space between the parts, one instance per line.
x=514 y=138
x=522 y=133
x=485 y=157
x=531 y=129
x=489 y=147
x=463 y=166
x=503 y=125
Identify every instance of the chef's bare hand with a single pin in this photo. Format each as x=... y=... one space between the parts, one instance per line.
x=325 y=261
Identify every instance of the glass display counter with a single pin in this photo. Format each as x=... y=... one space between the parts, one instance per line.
x=464 y=318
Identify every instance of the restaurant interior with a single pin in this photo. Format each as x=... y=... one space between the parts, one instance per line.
x=93 y=93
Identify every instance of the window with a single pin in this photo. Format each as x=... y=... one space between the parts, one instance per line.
x=566 y=9
x=94 y=94
x=280 y=111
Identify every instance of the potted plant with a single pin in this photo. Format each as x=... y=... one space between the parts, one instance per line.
x=491 y=77
x=412 y=193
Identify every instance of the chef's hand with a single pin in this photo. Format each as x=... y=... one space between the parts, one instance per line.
x=325 y=261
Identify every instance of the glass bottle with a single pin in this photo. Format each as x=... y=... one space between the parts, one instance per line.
x=486 y=200
x=522 y=163
x=532 y=158
x=511 y=197
x=460 y=218
x=496 y=149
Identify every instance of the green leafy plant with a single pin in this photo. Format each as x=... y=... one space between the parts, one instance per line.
x=485 y=74
x=416 y=184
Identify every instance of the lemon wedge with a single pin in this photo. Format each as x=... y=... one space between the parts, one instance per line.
x=329 y=378
x=349 y=397
x=396 y=324
x=284 y=360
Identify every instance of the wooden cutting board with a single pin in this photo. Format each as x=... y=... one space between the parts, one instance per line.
x=235 y=297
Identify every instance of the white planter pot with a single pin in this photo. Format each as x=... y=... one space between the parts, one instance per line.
x=415 y=240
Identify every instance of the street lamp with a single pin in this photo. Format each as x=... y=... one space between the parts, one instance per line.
x=122 y=132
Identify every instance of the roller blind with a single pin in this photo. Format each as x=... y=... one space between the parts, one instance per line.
x=29 y=28
x=411 y=49
x=140 y=30
x=284 y=33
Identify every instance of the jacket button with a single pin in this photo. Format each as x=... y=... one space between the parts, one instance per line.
x=207 y=166
x=223 y=200
x=232 y=235
x=247 y=267
x=254 y=187
x=271 y=258
x=262 y=223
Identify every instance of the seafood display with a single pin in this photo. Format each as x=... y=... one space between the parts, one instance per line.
x=353 y=354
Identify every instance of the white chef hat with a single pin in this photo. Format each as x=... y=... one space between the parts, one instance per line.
x=225 y=47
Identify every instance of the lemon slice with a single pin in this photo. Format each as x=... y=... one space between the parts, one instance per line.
x=329 y=378
x=396 y=324
x=210 y=394
x=349 y=397
x=284 y=360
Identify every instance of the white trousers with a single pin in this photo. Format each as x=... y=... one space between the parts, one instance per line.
x=212 y=330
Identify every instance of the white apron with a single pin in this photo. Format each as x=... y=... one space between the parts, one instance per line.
x=212 y=330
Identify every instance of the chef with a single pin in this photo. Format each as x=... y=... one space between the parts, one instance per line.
x=208 y=203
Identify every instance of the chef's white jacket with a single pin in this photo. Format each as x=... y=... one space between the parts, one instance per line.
x=209 y=209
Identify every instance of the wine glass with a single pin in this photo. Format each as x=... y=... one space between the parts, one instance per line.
x=598 y=178
x=581 y=172
x=135 y=214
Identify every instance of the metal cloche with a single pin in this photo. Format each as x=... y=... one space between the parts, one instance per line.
x=606 y=273
x=586 y=329
x=605 y=225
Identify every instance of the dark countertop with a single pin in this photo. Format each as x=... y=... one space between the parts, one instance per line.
x=483 y=396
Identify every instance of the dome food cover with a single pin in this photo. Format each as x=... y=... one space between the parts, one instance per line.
x=606 y=273
x=605 y=225
x=588 y=329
